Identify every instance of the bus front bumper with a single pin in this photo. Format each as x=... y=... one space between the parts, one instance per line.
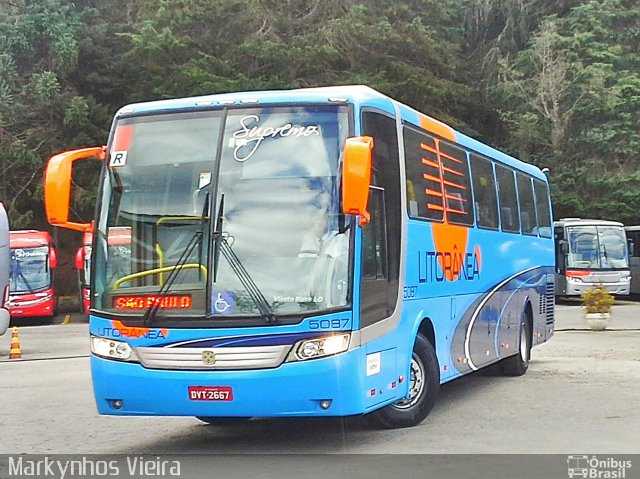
x=293 y=389
x=576 y=287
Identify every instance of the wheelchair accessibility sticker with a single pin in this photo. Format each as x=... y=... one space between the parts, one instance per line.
x=222 y=302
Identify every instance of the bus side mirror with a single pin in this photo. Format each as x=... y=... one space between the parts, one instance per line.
x=356 y=177
x=57 y=186
x=79 y=259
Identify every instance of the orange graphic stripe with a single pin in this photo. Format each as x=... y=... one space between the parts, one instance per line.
x=434 y=207
x=455 y=172
x=449 y=157
x=428 y=148
x=433 y=192
x=430 y=163
x=451 y=210
x=453 y=185
x=432 y=178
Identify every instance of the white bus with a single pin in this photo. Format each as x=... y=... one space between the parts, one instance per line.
x=4 y=269
x=590 y=253
x=633 y=239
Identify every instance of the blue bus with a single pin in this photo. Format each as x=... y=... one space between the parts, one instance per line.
x=313 y=252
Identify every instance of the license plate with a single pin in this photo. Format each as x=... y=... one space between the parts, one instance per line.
x=210 y=393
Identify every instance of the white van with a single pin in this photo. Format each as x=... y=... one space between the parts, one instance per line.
x=4 y=269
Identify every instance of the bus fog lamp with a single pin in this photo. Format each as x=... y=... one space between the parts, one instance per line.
x=325 y=404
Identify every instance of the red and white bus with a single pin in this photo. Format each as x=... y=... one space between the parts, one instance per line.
x=83 y=266
x=4 y=269
x=119 y=247
x=33 y=259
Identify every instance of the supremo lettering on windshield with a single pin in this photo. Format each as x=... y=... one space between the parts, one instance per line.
x=252 y=135
x=439 y=266
x=179 y=301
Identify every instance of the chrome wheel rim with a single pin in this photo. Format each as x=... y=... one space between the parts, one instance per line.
x=524 y=353
x=416 y=384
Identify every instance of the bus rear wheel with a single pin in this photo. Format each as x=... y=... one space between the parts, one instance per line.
x=518 y=364
x=424 y=385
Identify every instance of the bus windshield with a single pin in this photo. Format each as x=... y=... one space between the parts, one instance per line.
x=597 y=247
x=29 y=271
x=224 y=207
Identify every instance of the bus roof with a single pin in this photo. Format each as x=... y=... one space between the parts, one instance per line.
x=585 y=222
x=357 y=94
x=29 y=238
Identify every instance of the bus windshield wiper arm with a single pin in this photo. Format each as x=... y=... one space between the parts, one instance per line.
x=195 y=240
x=26 y=283
x=222 y=246
x=150 y=313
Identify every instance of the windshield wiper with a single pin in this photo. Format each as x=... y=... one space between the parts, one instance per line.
x=196 y=239
x=30 y=288
x=222 y=246
x=150 y=313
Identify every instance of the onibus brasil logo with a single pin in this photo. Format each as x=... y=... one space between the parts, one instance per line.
x=592 y=467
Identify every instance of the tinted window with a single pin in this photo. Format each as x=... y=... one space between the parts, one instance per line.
x=484 y=192
x=508 y=200
x=542 y=206
x=424 y=183
x=455 y=183
x=527 y=204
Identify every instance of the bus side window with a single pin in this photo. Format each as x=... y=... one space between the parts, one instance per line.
x=527 y=204
x=374 y=246
x=484 y=192
x=508 y=199
x=381 y=253
x=541 y=191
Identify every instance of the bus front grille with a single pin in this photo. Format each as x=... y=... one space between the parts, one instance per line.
x=212 y=359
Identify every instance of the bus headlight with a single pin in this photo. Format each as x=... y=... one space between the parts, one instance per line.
x=319 y=347
x=111 y=349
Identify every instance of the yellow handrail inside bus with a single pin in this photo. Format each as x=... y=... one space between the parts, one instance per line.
x=159 y=251
x=160 y=254
x=164 y=269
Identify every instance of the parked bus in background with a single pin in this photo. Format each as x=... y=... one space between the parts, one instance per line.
x=589 y=253
x=119 y=247
x=633 y=240
x=33 y=259
x=4 y=270
x=83 y=267
x=314 y=252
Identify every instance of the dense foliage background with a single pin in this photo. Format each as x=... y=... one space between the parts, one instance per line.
x=553 y=82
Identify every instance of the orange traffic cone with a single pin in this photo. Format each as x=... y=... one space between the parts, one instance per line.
x=15 y=352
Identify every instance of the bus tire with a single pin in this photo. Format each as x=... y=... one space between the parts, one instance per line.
x=424 y=385
x=518 y=364
x=222 y=421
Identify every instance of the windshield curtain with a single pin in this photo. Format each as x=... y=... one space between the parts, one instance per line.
x=270 y=183
x=597 y=247
x=29 y=270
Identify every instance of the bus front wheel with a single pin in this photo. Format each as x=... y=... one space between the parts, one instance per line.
x=424 y=384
